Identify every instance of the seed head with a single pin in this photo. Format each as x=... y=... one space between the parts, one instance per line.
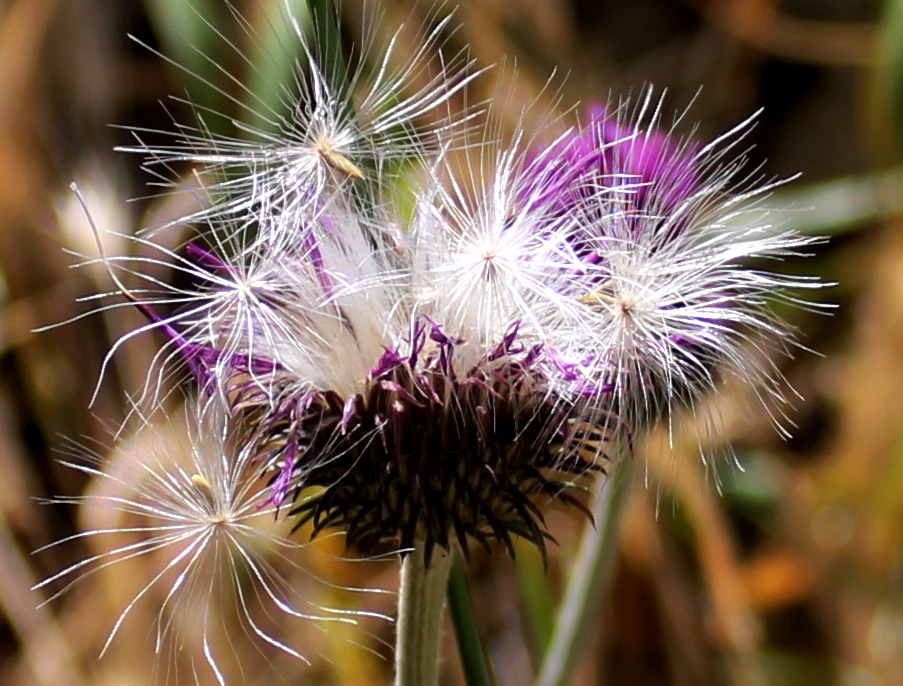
x=435 y=376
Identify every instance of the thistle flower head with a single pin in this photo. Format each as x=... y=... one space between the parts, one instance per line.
x=427 y=378
x=430 y=387
x=431 y=382
x=412 y=429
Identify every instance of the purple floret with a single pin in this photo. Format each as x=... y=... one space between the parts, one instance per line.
x=653 y=172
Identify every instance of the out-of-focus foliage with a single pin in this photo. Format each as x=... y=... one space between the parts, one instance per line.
x=886 y=103
x=788 y=573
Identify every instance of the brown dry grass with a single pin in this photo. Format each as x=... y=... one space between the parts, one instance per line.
x=792 y=576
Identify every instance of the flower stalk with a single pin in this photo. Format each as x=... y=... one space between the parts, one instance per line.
x=421 y=599
x=473 y=659
x=590 y=577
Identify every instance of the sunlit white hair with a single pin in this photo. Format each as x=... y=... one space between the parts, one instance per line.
x=485 y=250
x=679 y=293
x=332 y=124
x=194 y=502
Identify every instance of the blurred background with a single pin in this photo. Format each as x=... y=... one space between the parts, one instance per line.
x=788 y=574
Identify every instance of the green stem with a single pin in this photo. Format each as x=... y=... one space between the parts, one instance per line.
x=473 y=660
x=590 y=575
x=421 y=597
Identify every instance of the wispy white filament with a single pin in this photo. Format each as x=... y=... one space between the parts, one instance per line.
x=194 y=505
x=330 y=134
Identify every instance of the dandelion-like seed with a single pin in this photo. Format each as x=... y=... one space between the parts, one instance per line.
x=329 y=129
x=425 y=381
x=194 y=503
x=671 y=296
